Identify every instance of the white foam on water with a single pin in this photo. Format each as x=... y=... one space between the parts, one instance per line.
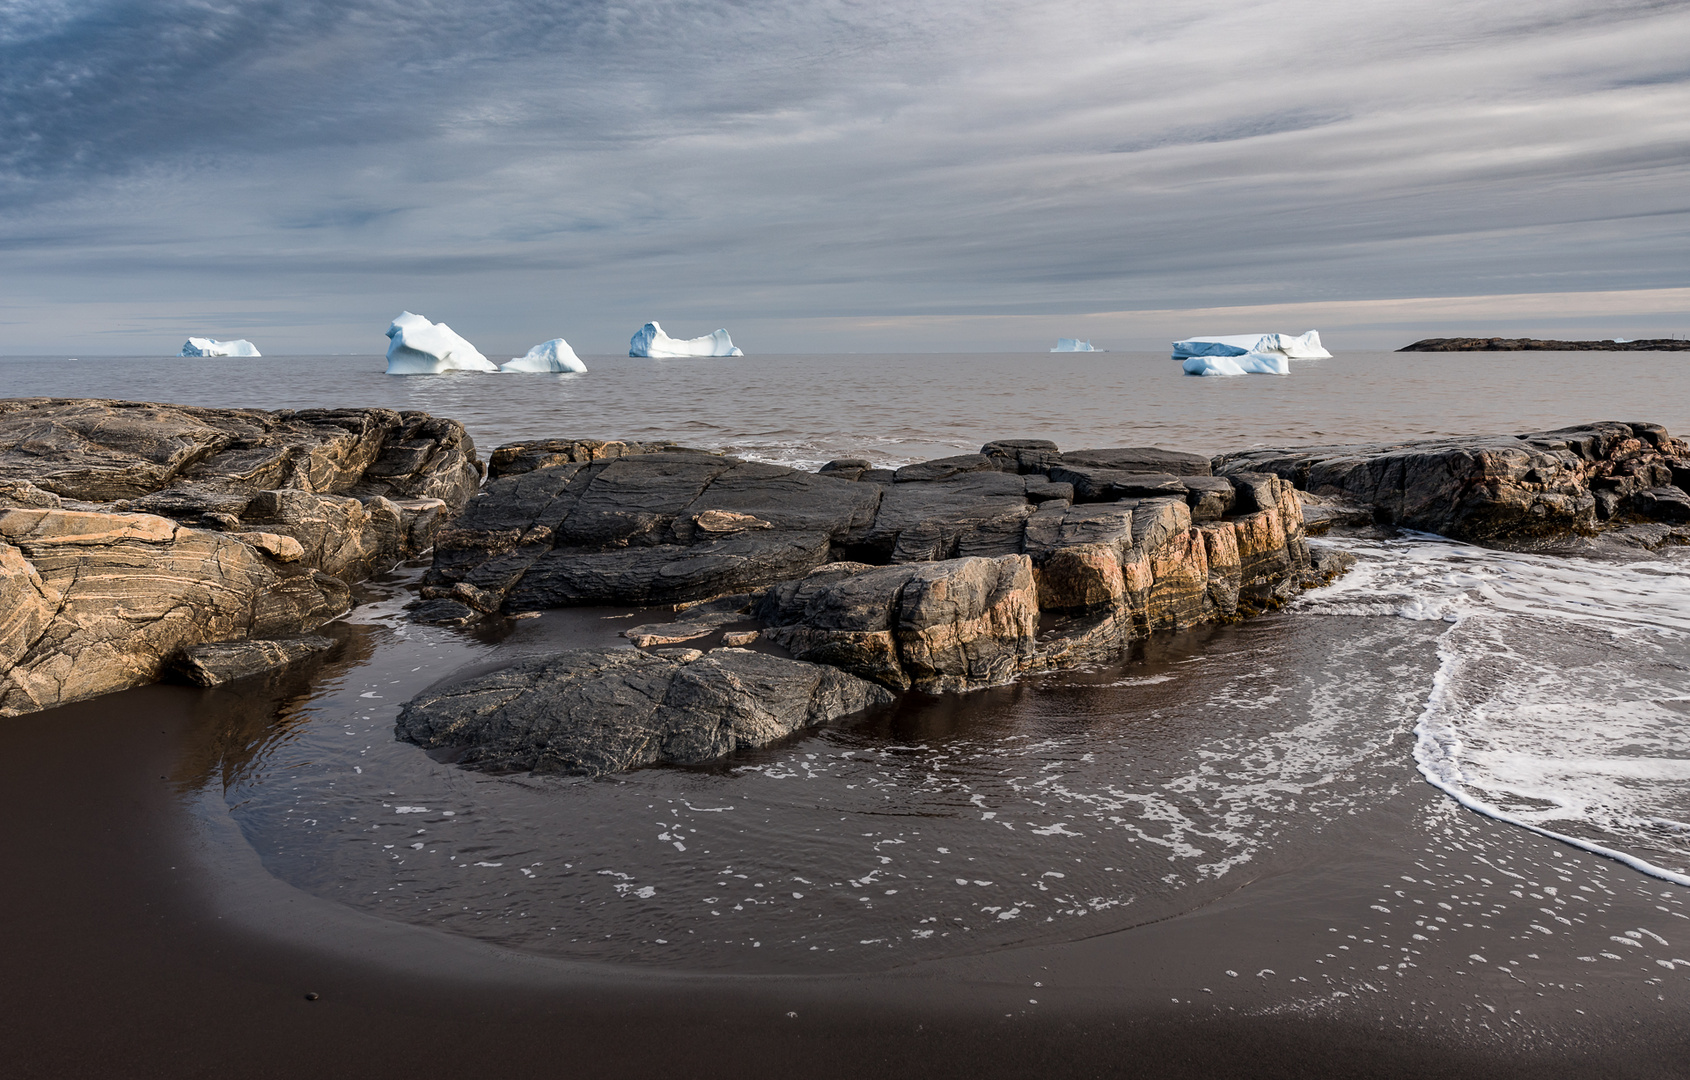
x=1561 y=700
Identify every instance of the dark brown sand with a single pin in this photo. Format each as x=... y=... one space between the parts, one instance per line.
x=142 y=942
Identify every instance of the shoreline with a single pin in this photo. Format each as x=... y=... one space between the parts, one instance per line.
x=157 y=918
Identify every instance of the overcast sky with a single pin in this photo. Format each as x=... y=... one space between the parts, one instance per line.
x=832 y=175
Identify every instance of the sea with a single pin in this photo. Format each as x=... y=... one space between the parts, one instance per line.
x=1454 y=692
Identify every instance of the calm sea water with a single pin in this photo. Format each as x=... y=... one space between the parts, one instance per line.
x=1553 y=694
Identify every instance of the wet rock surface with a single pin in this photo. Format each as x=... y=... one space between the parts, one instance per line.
x=1500 y=489
x=588 y=712
x=939 y=577
x=131 y=531
x=224 y=661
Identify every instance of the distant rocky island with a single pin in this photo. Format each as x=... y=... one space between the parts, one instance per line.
x=142 y=541
x=1496 y=344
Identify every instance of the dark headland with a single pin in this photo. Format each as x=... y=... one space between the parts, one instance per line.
x=1497 y=344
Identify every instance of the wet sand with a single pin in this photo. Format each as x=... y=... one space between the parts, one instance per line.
x=146 y=939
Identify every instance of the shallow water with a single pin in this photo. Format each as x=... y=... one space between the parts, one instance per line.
x=1546 y=692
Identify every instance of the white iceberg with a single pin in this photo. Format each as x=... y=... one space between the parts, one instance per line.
x=652 y=341
x=1249 y=363
x=1068 y=344
x=1292 y=347
x=551 y=356
x=205 y=346
x=420 y=347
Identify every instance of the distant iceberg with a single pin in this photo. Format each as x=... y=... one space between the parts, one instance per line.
x=420 y=347
x=1247 y=363
x=1301 y=347
x=1068 y=344
x=204 y=346
x=652 y=341
x=552 y=356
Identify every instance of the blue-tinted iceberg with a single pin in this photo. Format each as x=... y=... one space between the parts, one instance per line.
x=1292 y=347
x=1248 y=363
x=1068 y=344
x=652 y=341
x=204 y=346
x=420 y=347
x=551 y=356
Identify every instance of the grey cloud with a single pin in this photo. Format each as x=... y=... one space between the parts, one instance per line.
x=607 y=163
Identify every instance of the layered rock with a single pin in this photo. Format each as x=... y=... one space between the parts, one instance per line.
x=131 y=531
x=587 y=712
x=1469 y=344
x=1505 y=489
x=941 y=576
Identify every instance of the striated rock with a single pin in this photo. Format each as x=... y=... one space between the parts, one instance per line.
x=105 y=599
x=952 y=625
x=1492 y=489
x=159 y=528
x=589 y=712
x=981 y=513
x=225 y=661
x=1140 y=459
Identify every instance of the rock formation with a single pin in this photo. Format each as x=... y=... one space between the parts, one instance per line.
x=1468 y=344
x=1496 y=489
x=130 y=532
x=942 y=576
x=592 y=711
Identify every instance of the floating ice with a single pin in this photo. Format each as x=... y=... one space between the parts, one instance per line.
x=554 y=355
x=1068 y=344
x=1211 y=365
x=652 y=341
x=1302 y=347
x=420 y=347
x=204 y=346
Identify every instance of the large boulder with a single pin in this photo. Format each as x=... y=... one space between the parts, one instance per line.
x=588 y=712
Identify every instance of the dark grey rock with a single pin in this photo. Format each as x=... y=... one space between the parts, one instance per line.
x=1663 y=504
x=590 y=712
x=1140 y=459
x=944 y=468
x=971 y=514
x=1023 y=456
x=1097 y=484
x=224 y=661
x=667 y=573
x=1042 y=490
x=1210 y=497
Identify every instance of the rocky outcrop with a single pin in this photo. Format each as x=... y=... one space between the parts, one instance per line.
x=588 y=712
x=1505 y=489
x=941 y=576
x=130 y=532
x=1469 y=344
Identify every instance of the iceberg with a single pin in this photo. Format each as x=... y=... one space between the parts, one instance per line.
x=1247 y=363
x=1292 y=347
x=420 y=347
x=652 y=341
x=553 y=355
x=204 y=346
x=1068 y=344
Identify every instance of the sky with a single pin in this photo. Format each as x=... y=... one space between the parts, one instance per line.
x=839 y=175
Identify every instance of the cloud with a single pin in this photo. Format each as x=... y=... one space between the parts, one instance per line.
x=577 y=168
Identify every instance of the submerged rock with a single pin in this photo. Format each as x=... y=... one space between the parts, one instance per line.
x=588 y=712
